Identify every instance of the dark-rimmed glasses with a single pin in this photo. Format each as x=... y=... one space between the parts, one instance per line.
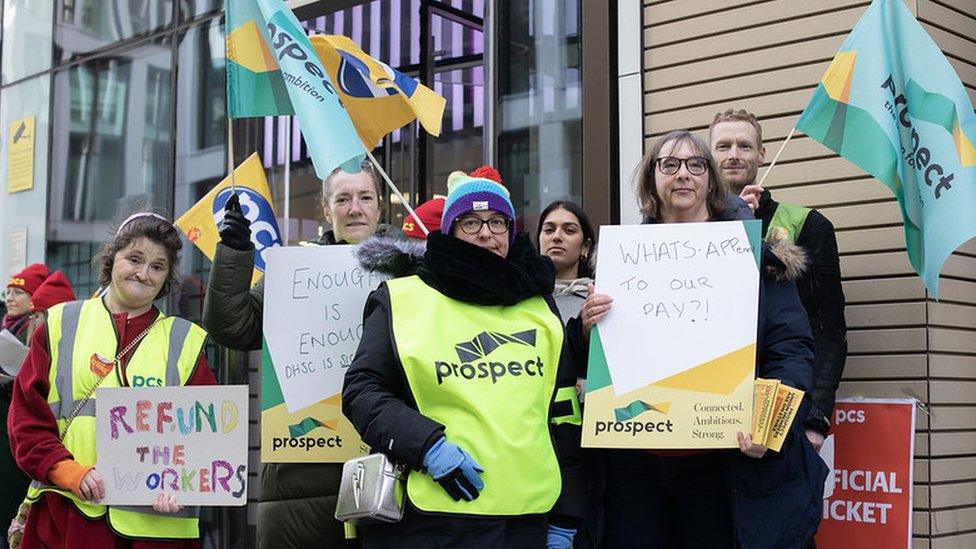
x=472 y=225
x=669 y=165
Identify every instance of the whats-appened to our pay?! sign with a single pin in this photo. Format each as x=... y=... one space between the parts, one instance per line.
x=673 y=363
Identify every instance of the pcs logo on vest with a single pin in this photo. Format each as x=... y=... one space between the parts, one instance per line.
x=472 y=354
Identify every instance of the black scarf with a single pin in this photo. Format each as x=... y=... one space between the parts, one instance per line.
x=471 y=274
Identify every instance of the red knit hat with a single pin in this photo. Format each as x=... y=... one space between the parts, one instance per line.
x=487 y=172
x=56 y=289
x=30 y=278
x=430 y=213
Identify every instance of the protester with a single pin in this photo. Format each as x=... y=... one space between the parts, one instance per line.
x=297 y=507
x=462 y=374
x=566 y=236
x=736 y=140
x=749 y=497
x=103 y=342
x=17 y=321
x=18 y=296
x=55 y=289
x=429 y=214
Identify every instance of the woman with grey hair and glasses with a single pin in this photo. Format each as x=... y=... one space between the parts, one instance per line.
x=751 y=496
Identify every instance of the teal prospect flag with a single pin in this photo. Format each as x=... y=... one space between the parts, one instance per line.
x=254 y=83
x=891 y=104
x=273 y=69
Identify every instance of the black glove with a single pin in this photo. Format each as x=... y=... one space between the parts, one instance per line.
x=235 y=230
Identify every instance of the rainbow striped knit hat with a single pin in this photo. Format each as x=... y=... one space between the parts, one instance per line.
x=475 y=194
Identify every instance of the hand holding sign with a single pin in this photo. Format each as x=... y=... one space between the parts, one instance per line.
x=92 y=486
x=189 y=443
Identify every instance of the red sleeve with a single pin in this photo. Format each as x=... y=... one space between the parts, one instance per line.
x=201 y=374
x=33 y=430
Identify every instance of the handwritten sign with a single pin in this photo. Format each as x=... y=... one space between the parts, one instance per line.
x=868 y=493
x=187 y=441
x=313 y=318
x=672 y=365
x=313 y=322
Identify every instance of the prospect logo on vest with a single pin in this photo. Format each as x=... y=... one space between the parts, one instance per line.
x=484 y=343
x=472 y=354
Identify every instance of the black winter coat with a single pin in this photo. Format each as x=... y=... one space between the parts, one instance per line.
x=377 y=398
x=776 y=500
x=823 y=299
x=297 y=507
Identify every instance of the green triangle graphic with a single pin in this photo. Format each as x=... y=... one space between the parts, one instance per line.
x=753 y=229
x=271 y=395
x=598 y=373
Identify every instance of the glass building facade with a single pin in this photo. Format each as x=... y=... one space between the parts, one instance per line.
x=128 y=103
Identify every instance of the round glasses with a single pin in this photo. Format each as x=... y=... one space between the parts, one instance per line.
x=669 y=165
x=472 y=225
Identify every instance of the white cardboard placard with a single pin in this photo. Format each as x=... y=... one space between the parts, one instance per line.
x=684 y=293
x=190 y=442
x=313 y=318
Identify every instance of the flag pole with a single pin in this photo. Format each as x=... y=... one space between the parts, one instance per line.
x=230 y=119
x=397 y=192
x=775 y=158
x=287 y=178
x=230 y=155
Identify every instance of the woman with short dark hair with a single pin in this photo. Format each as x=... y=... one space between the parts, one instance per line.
x=103 y=342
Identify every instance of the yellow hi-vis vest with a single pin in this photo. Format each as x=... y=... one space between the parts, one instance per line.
x=488 y=374
x=166 y=356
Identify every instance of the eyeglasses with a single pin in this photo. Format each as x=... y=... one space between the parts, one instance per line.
x=669 y=165
x=473 y=225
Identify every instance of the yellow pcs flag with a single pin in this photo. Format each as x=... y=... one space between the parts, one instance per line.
x=200 y=222
x=378 y=98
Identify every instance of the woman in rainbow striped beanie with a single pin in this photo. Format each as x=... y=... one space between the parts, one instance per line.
x=464 y=376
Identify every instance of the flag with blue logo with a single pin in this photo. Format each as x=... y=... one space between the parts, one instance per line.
x=891 y=104
x=329 y=133
x=200 y=222
x=378 y=97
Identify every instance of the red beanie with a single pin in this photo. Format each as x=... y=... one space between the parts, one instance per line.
x=487 y=172
x=430 y=213
x=56 y=289
x=30 y=278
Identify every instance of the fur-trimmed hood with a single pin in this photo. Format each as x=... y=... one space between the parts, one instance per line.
x=783 y=259
x=392 y=256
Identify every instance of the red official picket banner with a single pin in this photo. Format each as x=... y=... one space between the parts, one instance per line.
x=868 y=493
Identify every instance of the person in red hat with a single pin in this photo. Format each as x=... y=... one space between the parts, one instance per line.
x=430 y=213
x=20 y=287
x=56 y=289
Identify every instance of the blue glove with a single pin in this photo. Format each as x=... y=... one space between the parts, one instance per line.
x=455 y=470
x=560 y=538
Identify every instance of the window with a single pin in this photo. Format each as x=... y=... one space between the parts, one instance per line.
x=113 y=151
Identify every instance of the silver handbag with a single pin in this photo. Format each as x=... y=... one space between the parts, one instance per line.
x=371 y=491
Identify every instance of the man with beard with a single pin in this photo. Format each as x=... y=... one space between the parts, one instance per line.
x=736 y=142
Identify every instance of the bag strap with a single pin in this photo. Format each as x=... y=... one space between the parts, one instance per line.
x=116 y=362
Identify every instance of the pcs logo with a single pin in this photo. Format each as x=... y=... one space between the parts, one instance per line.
x=257 y=210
